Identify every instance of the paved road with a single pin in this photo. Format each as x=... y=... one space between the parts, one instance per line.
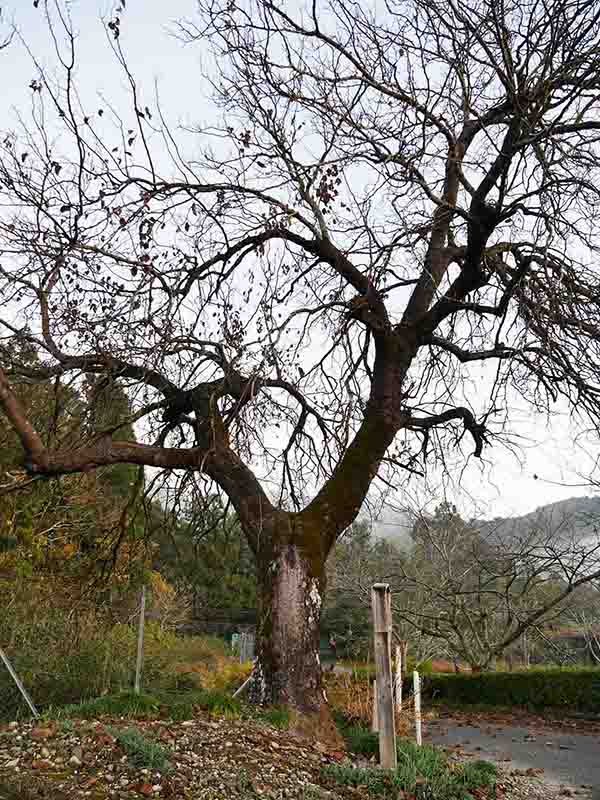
x=566 y=758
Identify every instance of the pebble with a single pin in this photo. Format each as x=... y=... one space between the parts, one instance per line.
x=74 y=761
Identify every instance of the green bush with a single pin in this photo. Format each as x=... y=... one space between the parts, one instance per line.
x=576 y=688
x=365 y=671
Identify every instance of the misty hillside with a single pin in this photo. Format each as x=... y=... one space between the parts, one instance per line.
x=579 y=516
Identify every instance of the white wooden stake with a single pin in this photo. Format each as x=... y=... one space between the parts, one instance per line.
x=398 y=678
x=18 y=683
x=381 y=601
x=140 y=643
x=417 y=686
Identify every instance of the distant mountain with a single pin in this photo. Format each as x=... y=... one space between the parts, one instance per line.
x=576 y=518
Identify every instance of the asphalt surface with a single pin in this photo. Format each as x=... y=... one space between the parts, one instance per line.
x=572 y=759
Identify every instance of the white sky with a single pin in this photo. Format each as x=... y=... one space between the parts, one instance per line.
x=502 y=485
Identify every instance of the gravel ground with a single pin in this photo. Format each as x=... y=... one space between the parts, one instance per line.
x=210 y=759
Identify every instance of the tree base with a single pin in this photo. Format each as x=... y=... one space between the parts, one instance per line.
x=317 y=727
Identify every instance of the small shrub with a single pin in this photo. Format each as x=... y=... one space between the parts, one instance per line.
x=141 y=751
x=360 y=740
x=221 y=673
x=351 y=697
x=277 y=716
x=217 y=702
x=478 y=773
x=373 y=779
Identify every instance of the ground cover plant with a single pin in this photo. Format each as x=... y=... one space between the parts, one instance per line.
x=424 y=771
x=141 y=751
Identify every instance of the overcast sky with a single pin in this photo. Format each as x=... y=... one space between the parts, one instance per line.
x=502 y=484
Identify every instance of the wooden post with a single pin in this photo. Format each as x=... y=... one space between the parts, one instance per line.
x=140 y=643
x=398 y=678
x=417 y=685
x=374 y=717
x=18 y=683
x=381 y=602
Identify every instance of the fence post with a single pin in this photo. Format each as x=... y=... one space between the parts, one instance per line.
x=417 y=687
x=18 y=683
x=398 y=678
x=381 y=602
x=140 y=642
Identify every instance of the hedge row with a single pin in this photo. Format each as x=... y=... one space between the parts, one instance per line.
x=578 y=689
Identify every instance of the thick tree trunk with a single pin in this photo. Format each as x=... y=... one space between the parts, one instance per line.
x=287 y=669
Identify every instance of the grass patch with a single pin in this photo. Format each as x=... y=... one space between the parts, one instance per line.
x=173 y=705
x=479 y=773
x=278 y=716
x=359 y=740
x=141 y=751
x=124 y=704
x=428 y=777
x=423 y=771
x=217 y=702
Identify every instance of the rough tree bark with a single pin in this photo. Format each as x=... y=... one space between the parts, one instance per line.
x=290 y=599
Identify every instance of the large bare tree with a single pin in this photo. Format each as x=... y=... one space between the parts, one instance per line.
x=299 y=296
